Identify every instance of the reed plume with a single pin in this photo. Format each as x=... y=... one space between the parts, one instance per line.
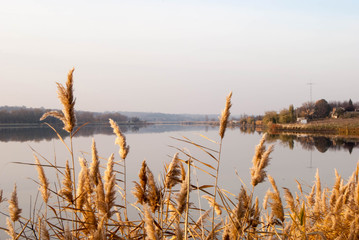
x=89 y=218
x=147 y=191
x=139 y=190
x=182 y=196
x=109 y=172
x=276 y=202
x=222 y=129
x=94 y=168
x=100 y=198
x=44 y=187
x=67 y=186
x=100 y=233
x=213 y=204
x=225 y=115
x=153 y=193
x=10 y=229
x=260 y=162
x=289 y=199
x=14 y=209
x=149 y=225
x=67 y=116
x=81 y=185
x=109 y=179
x=120 y=140
x=174 y=173
x=44 y=233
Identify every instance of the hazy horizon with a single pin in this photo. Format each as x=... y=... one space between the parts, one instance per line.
x=179 y=57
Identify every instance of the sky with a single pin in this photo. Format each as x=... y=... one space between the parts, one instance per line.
x=179 y=56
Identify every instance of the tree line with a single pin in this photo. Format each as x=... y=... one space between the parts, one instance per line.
x=18 y=115
x=309 y=111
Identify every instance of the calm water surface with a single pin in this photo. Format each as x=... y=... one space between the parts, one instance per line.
x=294 y=158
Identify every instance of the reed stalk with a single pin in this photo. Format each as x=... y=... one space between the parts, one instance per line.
x=222 y=129
x=123 y=151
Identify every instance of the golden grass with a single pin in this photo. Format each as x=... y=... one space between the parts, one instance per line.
x=91 y=205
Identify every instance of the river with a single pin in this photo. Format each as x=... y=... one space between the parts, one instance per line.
x=294 y=157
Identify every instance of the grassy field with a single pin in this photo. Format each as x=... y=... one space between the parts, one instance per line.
x=92 y=203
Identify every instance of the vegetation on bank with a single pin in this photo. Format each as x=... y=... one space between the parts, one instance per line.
x=92 y=203
x=23 y=115
x=320 y=117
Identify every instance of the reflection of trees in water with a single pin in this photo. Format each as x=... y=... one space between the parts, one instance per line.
x=39 y=133
x=42 y=132
x=321 y=143
x=249 y=129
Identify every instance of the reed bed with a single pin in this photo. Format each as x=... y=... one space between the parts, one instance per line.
x=91 y=202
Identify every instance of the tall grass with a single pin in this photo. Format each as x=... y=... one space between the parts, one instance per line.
x=92 y=203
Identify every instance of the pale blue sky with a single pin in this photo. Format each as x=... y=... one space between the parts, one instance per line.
x=179 y=56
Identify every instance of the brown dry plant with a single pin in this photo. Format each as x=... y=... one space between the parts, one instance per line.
x=14 y=209
x=44 y=183
x=225 y=116
x=67 y=116
x=120 y=140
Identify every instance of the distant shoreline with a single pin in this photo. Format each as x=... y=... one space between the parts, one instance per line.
x=341 y=127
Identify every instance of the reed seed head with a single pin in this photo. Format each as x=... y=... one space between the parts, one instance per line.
x=14 y=209
x=10 y=229
x=174 y=173
x=276 y=203
x=153 y=193
x=212 y=203
x=182 y=196
x=120 y=140
x=225 y=116
x=44 y=188
x=260 y=162
x=81 y=188
x=149 y=225
x=94 y=168
x=65 y=94
x=67 y=186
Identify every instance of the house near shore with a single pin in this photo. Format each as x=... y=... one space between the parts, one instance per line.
x=302 y=120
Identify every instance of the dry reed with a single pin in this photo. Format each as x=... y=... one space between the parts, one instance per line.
x=67 y=187
x=225 y=116
x=260 y=162
x=44 y=183
x=67 y=116
x=320 y=214
x=149 y=225
x=120 y=140
x=14 y=209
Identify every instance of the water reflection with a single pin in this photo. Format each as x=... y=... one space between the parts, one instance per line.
x=39 y=133
x=309 y=142
x=319 y=143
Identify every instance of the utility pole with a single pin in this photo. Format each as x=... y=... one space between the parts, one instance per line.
x=310 y=90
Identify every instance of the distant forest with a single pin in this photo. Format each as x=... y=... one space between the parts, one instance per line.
x=18 y=115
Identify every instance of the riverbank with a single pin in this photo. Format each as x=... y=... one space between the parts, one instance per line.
x=347 y=127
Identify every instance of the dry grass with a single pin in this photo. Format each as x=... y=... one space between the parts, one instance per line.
x=91 y=205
